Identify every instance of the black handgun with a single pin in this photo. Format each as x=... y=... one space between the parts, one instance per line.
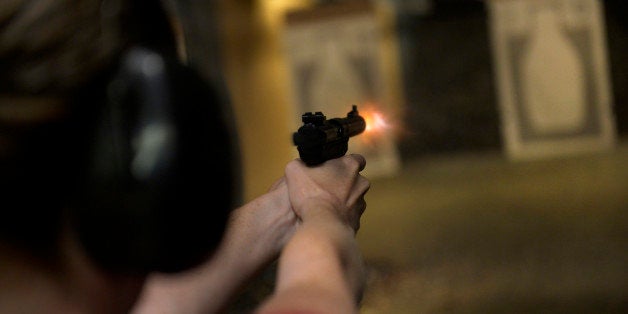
x=319 y=139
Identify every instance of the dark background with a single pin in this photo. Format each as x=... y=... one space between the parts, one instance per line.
x=448 y=77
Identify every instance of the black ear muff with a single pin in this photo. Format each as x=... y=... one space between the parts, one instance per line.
x=157 y=182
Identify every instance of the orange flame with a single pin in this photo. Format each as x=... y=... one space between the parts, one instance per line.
x=375 y=120
x=377 y=124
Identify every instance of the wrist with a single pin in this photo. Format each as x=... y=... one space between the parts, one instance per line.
x=321 y=246
x=261 y=228
x=317 y=210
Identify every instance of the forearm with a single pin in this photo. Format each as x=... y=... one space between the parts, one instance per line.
x=205 y=289
x=252 y=242
x=320 y=270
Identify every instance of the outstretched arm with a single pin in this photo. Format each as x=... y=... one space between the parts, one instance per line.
x=255 y=235
x=321 y=269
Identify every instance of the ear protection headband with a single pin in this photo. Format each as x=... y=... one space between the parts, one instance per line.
x=157 y=176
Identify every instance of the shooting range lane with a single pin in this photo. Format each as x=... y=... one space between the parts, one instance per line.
x=478 y=234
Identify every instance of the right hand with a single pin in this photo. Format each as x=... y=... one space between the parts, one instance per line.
x=328 y=199
x=335 y=186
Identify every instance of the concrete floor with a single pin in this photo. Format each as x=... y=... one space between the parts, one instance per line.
x=480 y=234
